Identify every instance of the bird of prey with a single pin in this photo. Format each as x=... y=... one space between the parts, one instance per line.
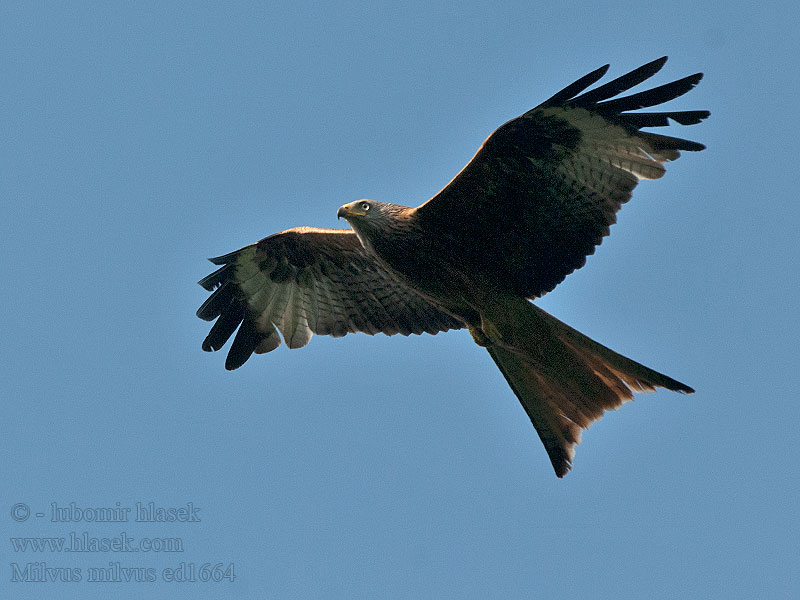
x=531 y=205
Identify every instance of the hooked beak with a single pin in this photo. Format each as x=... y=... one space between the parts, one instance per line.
x=349 y=210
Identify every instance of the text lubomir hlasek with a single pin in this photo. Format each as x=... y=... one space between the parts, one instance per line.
x=141 y=512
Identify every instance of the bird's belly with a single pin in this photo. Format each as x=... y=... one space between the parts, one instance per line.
x=442 y=284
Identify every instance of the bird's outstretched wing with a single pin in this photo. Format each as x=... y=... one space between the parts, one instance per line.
x=544 y=188
x=305 y=281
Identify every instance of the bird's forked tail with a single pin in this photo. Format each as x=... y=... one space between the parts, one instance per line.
x=564 y=380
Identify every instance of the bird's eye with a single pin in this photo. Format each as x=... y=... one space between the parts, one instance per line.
x=365 y=206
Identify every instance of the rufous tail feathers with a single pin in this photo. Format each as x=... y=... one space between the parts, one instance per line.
x=564 y=380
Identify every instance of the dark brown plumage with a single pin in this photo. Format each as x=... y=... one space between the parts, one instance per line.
x=527 y=210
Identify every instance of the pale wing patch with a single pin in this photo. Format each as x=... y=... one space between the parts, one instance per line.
x=279 y=304
x=606 y=148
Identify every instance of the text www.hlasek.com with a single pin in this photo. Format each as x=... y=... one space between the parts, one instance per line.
x=83 y=542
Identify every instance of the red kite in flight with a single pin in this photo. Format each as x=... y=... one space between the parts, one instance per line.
x=526 y=211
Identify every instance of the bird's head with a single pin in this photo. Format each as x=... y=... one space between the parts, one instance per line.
x=366 y=211
x=356 y=210
x=367 y=215
x=371 y=219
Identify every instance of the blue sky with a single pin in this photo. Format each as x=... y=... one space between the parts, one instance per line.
x=137 y=139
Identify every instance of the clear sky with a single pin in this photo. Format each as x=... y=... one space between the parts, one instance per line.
x=137 y=139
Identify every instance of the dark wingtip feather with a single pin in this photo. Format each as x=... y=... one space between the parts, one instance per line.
x=217 y=302
x=244 y=344
x=652 y=97
x=620 y=84
x=225 y=258
x=674 y=385
x=689 y=117
x=224 y=327
x=575 y=88
x=660 y=62
x=662 y=119
x=561 y=465
x=215 y=279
